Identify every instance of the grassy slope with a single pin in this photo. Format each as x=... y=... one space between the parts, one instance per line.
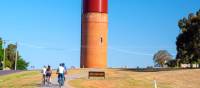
x=26 y=79
x=130 y=79
x=115 y=79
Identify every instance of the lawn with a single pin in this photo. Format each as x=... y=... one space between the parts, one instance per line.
x=119 y=78
x=25 y=79
x=115 y=78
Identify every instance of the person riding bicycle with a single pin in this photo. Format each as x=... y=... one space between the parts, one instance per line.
x=48 y=74
x=61 y=72
x=63 y=64
x=44 y=74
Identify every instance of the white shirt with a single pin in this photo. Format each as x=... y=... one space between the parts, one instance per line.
x=44 y=71
x=61 y=69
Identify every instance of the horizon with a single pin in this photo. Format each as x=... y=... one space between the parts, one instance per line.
x=48 y=31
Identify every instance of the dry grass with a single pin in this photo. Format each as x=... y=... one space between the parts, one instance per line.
x=26 y=79
x=117 y=78
x=74 y=71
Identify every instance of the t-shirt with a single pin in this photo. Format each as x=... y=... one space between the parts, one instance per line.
x=48 y=71
x=61 y=69
x=44 y=71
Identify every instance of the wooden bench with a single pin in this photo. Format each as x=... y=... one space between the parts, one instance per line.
x=96 y=74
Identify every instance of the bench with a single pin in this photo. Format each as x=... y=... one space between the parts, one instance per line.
x=96 y=74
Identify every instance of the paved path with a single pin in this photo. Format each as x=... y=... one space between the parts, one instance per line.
x=55 y=81
x=83 y=73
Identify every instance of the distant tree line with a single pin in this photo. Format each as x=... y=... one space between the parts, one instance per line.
x=10 y=57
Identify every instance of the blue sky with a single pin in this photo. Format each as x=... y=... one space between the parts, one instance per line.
x=48 y=31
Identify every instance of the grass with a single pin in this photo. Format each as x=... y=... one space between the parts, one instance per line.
x=74 y=71
x=119 y=78
x=26 y=79
x=115 y=78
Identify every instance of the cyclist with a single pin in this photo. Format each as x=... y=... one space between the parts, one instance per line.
x=44 y=74
x=63 y=64
x=48 y=74
x=61 y=72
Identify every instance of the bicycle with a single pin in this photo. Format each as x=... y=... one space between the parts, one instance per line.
x=44 y=81
x=61 y=80
x=47 y=81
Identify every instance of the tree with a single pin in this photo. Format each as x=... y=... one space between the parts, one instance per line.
x=162 y=57
x=188 y=41
x=8 y=64
x=1 y=54
x=11 y=54
x=22 y=64
x=172 y=63
x=11 y=57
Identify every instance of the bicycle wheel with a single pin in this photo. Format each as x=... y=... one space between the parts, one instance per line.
x=48 y=80
x=61 y=82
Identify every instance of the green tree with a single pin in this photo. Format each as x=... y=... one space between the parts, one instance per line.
x=8 y=64
x=11 y=54
x=188 y=41
x=11 y=57
x=161 y=58
x=172 y=63
x=22 y=64
x=1 y=54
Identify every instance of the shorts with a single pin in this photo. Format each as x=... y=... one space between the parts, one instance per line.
x=48 y=74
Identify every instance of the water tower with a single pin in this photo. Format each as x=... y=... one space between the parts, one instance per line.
x=94 y=30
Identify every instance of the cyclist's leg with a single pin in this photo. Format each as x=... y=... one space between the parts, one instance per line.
x=50 y=78
x=59 y=79
x=63 y=78
x=47 y=79
x=44 y=78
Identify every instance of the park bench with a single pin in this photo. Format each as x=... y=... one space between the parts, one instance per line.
x=96 y=74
